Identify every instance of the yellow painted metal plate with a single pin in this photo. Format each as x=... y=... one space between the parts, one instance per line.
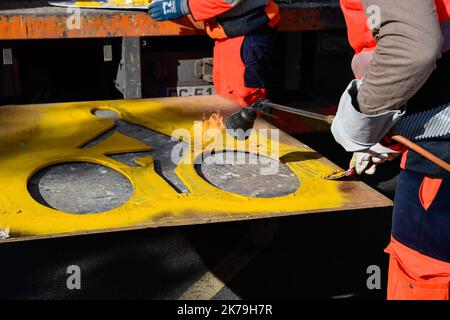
x=35 y=136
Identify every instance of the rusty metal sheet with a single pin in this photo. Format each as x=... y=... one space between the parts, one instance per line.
x=45 y=22
x=100 y=5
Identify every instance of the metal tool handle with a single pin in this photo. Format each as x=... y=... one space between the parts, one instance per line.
x=304 y=113
x=424 y=153
x=329 y=119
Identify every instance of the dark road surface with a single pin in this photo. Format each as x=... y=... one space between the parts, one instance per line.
x=317 y=256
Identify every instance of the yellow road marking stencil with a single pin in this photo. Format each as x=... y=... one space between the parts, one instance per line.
x=33 y=137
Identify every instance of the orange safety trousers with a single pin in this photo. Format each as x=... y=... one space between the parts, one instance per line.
x=243 y=46
x=414 y=276
x=419 y=265
x=229 y=73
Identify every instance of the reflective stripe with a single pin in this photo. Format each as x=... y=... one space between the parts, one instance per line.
x=431 y=123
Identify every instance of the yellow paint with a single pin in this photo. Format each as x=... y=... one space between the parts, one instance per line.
x=114 y=2
x=88 y=3
x=35 y=136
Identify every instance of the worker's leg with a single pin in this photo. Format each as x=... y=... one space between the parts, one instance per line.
x=228 y=69
x=419 y=265
x=256 y=51
x=242 y=64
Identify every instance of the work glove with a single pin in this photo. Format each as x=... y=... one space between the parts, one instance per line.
x=367 y=162
x=163 y=10
x=364 y=135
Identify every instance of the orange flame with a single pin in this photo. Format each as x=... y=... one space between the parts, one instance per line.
x=214 y=121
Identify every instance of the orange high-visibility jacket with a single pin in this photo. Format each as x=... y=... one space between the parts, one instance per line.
x=230 y=18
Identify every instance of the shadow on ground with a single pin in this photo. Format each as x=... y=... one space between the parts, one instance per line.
x=308 y=257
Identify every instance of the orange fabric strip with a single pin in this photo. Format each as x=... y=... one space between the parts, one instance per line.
x=428 y=191
x=207 y=9
x=414 y=276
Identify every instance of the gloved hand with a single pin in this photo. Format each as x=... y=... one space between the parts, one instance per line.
x=367 y=162
x=166 y=10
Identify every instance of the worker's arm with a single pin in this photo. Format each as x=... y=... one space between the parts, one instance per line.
x=409 y=41
x=207 y=9
x=199 y=9
x=408 y=45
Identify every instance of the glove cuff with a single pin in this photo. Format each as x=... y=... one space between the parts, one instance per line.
x=184 y=6
x=356 y=131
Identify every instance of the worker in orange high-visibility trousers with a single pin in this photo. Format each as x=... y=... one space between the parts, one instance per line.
x=402 y=65
x=244 y=33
